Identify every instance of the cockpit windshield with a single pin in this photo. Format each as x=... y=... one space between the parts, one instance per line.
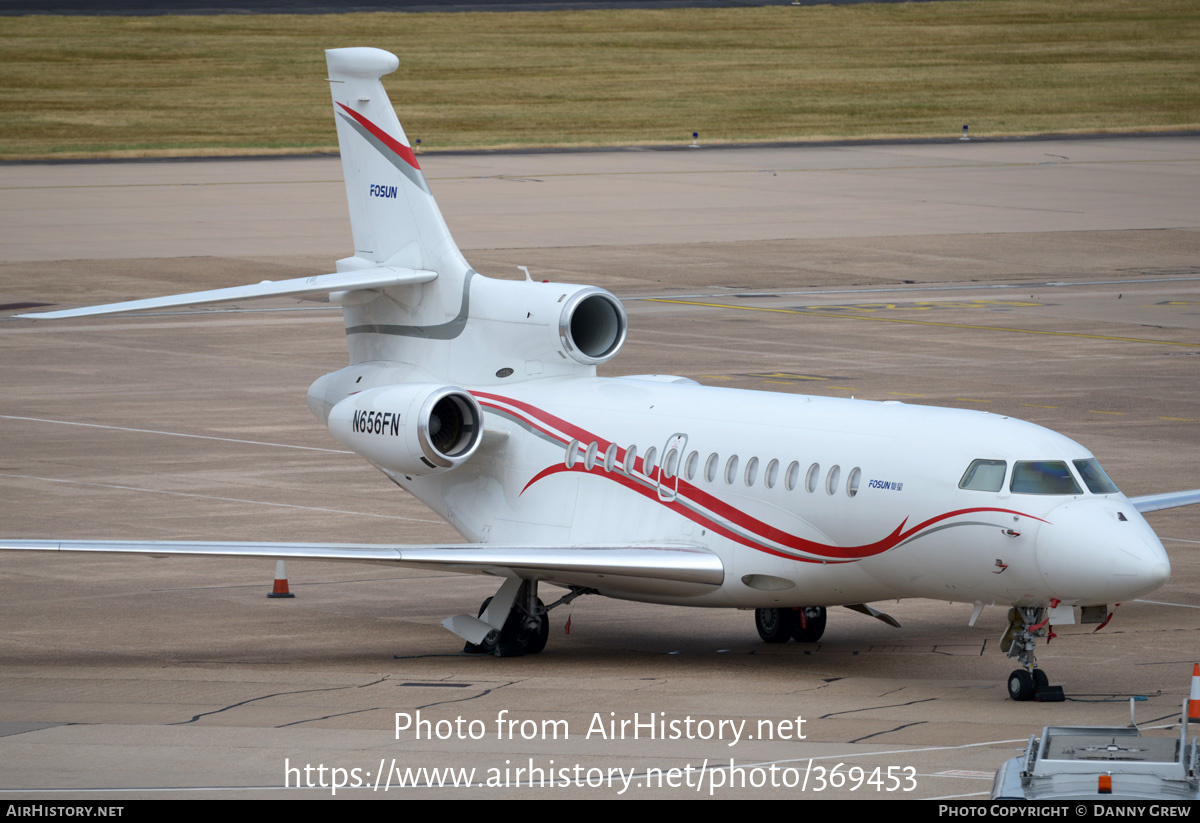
x=984 y=476
x=1097 y=480
x=1043 y=477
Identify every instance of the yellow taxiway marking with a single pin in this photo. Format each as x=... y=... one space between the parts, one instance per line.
x=972 y=400
x=1098 y=411
x=906 y=394
x=1179 y=419
x=924 y=322
x=788 y=376
x=1038 y=406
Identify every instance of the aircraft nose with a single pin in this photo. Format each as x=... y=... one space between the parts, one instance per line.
x=1100 y=551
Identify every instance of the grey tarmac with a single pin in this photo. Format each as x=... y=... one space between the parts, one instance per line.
x=1054 y=281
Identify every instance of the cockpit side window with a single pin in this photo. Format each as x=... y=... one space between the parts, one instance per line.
x=984 y=476
x=1097 y=480
x=1043 y=477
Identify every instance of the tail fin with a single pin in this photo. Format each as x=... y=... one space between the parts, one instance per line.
x=393 y=216
x=402 y=246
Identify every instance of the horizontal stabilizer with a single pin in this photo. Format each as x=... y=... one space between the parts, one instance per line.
x=375 y=278
x=1169 y=500
x=678 y=563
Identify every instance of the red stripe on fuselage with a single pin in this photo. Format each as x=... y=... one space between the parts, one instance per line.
x=719 y=507
x=405 y=153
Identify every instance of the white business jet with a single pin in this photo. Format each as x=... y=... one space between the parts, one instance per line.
x=481 y=398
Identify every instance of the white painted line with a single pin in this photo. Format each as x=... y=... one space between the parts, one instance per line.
x=848 y=755
x=953 y=796
x=174 y=434
x=1163 y=603
x=213 y=497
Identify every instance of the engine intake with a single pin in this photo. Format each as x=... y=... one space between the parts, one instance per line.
x=449 y=426
x=592 y=326
x=414 y=429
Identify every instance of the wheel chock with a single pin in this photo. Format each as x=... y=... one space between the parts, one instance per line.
x=1049 y=694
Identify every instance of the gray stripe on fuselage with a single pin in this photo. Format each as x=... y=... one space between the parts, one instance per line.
x=928 y=532
x=443 y=331
x=512 y=418
x=414 y=175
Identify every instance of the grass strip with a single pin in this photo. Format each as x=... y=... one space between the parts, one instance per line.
x=252 y=84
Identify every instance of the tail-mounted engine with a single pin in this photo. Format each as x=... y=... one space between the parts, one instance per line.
x=413 y=429
x=555 y=325
x=592 y=326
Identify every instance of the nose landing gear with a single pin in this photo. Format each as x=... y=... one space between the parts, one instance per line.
x=1025 y=624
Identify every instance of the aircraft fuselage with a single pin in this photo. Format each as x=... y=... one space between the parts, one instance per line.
x=808 y=501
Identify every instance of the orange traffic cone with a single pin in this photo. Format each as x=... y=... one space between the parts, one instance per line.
x=281 y=586
x=1194 y=701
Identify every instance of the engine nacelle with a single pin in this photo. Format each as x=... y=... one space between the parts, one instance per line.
x=413 y=429
x=519 y=323
x=592 y=326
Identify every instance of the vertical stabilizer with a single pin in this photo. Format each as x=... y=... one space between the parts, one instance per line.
x=393 y=216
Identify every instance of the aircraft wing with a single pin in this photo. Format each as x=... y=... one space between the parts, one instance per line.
x=376 y=278
x=1169 y=500
x=677 y=568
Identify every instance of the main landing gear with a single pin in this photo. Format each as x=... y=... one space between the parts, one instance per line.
x=1025 y=624
x=525 y=631
x=512 y=622
x=806 y=624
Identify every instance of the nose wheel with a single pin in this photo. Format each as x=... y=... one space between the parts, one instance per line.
x=1025 y=625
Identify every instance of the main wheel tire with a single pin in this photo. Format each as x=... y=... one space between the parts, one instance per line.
x=775 y=625
x=534 y=641
x=1040 y=680
x=809 y=629
x=1020 y=685
x=514 y=639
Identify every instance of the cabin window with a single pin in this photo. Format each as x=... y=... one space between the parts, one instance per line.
x=984 y=476
x=610 y=457
x=630 y=460
x=751 y=471
x=1097 y=480
x=589 y=457
x=572 y=453
x=792 y=477
x=710 y=467
x=772 y=474
x=1043 y=477
x=670 y=463
x=831 y=479
x=853 y=480
x=650 y=461
x=690 y=466
x=731 y=468
x=810 y=480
